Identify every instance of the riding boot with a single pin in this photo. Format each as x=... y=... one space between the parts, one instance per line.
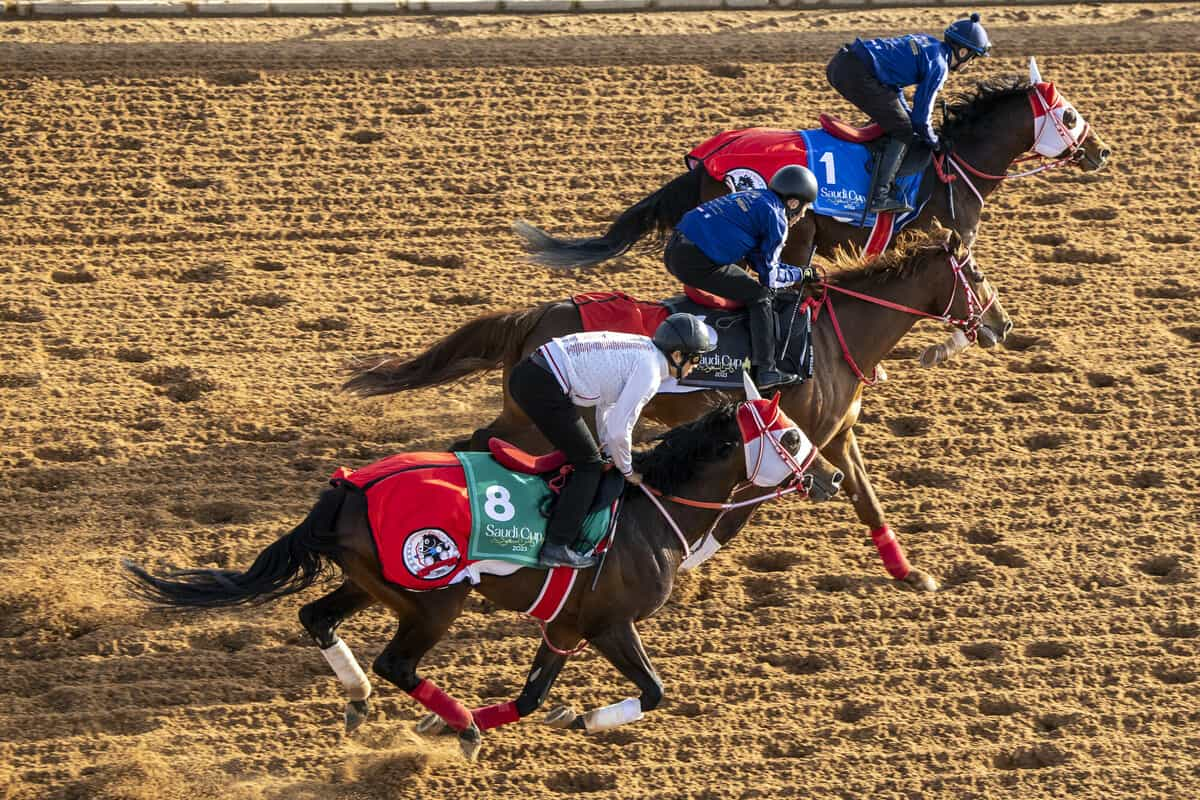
x=886 y=197
x=762 y=346
x=566 y=520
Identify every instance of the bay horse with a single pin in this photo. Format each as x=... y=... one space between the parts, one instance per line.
x=927 y=274
x=986 y=131
x=695 y=468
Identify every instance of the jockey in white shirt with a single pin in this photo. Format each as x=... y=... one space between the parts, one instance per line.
x=618 y=373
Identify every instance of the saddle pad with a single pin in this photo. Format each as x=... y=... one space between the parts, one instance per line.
x=750 y=157
x=721 y=369
x=843 y=171
x=420 y=512
x=506 y=513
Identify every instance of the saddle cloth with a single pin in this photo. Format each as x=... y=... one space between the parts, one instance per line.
x=750 y=157
x=440 y=518
x=722 y=368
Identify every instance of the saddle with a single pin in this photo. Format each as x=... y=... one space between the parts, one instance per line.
x=549 y=467
x=874 y=138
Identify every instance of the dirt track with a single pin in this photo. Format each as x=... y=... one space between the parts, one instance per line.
x=202 y=220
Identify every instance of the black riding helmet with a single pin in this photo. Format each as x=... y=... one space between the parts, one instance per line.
x=798 y=182
x=686 y=333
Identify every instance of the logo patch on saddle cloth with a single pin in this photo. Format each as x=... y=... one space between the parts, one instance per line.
x=723 y=367
x=843 y=171
x=429 y=554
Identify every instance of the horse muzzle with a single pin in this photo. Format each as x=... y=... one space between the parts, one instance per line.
x=822 y=487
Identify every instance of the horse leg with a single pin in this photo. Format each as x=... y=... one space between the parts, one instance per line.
x=842 y=450
x=546 y=666
x=622 y=646
x=321 y=619
x=418 y=631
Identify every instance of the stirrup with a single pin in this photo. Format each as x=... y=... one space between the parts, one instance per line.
x=560 y=555
x=769 y=378
x=889 y=203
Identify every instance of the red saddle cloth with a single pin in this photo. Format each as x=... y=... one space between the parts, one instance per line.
x=512 y=457
x=762 y=150
x=847 y=132
x=617 y=311
x=709 y=299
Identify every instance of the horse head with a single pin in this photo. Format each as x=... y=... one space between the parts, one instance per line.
x=969 y=300
x=1059 y=130
x=776 y=450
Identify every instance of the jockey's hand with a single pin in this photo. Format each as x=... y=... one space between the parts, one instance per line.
x=635 y=478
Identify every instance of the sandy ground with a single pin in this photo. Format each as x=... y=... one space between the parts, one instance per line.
x=203 y=220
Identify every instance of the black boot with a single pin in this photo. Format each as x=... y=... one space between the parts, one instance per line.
x=885 y=197
x=566 y=520
x=762 y=346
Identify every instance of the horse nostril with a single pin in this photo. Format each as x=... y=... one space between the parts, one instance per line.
x=837 y=479
x=1008 y=326
x=1104 y=154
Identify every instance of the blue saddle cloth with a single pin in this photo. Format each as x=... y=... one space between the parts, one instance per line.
x=843 y=171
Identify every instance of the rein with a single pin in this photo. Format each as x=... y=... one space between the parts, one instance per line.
x=969 y=324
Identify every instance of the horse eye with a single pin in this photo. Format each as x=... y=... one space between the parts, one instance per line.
x=1069 y=118
x=790 y=440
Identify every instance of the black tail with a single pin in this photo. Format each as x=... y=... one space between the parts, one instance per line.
x=293 y=563
x=658 y=212
x=488 y=342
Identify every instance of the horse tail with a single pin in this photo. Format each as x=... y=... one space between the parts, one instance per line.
x=658 y=212
x=293 y=563
x=483 y=343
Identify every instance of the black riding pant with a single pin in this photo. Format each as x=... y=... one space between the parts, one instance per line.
x=856 y=81
x=539 y=395
x=689 y=263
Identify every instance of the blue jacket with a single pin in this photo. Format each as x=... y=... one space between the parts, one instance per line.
x=750 y=225
x=915 y=60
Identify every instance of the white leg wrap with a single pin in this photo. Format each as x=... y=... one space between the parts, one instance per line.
x=346 y=667
x=622 y=713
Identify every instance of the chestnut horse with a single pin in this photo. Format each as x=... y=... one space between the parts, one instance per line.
x=748 y=450
x=986 y=132
x=927 y=273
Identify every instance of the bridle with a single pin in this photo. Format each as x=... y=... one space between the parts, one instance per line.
x=968 y=324
x=795 y=483
x=1073 y=154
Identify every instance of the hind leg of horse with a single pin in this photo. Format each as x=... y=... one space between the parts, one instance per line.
x=421 y=625
x=321 y=619
x=622 y=646
x=843 y=452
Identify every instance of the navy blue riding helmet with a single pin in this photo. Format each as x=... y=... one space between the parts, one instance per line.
x=970 y=34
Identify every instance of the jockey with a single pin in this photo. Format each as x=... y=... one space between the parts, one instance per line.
x=751 y=225
x=617 y=373
x=872 y=75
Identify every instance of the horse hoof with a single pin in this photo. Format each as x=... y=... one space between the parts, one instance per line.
x=921 y=581
x=560 y=717
x=469 y=741
x=432 y=725
x=356 y=714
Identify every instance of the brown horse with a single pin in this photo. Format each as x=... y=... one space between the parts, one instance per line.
x=987 y=132
x=702 y=463
x=930 y=272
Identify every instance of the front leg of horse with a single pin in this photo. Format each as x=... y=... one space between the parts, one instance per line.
x=622 y=646
x=843 y=451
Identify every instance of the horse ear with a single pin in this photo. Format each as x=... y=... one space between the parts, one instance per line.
x=954 y=242
x=751 y=389
x=1035 y=77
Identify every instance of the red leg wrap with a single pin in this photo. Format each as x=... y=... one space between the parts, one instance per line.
x=494 y=716
x=889 y=550
x=442 y=704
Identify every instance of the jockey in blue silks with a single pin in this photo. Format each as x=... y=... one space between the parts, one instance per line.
x=752 y=225
x=872 y=74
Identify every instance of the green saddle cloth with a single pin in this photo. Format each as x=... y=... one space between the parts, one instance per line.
x=506 y=517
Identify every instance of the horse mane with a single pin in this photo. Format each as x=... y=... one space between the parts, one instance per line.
x=967 y=108
x=681 y=452
x=910 y=252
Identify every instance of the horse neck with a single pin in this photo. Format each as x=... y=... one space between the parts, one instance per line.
x=713 y=484
x=995 y=141
x=871 y=331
